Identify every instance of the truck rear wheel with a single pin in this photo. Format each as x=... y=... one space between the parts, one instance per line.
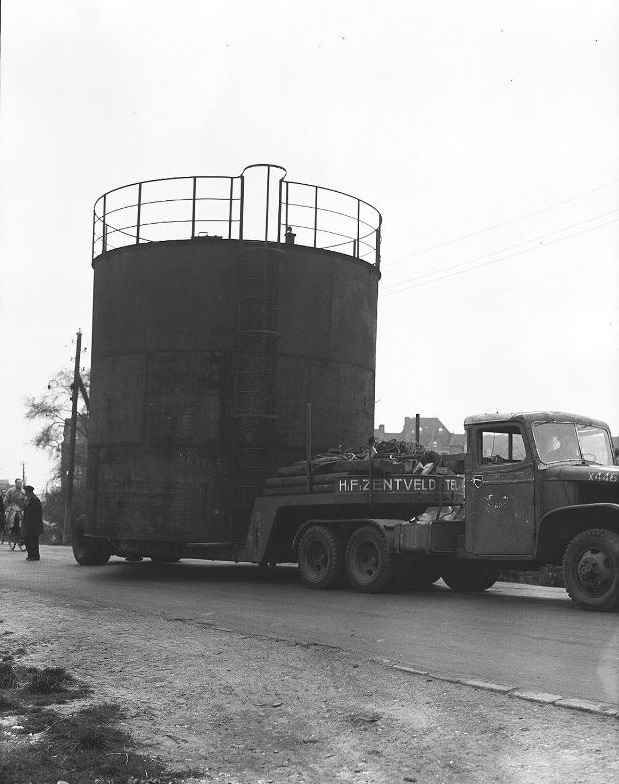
x=369 y=563
x=321 y=558
x=87 y=551
x=470 y=577
x=591 y=570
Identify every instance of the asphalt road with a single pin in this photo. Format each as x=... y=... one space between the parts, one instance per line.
x=520 y=636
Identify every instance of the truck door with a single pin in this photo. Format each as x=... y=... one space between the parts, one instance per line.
x=500 y=512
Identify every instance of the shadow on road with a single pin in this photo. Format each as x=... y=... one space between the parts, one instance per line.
x=502 y=595
x=201 y=572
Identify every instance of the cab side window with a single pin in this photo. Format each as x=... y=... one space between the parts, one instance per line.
x=500 y=444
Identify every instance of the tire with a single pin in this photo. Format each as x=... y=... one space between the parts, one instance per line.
x=17 y=543
x=470 y=577
x=87 y=551
x=321 y=558
x=370 y=565
x=591 y=570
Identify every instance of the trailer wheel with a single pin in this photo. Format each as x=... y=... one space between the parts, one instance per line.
x=591 y=570
x=321 y=558
x=369 y=564
x=86 y=551
x=470 y=577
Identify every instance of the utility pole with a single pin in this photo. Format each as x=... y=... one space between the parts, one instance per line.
x=68 y=496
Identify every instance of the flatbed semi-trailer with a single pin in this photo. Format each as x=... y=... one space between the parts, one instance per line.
x=537 y=488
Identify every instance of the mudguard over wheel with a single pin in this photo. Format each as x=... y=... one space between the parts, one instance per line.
x=591 y=570
x=369 y=563
x=470 y=577
x=86 y=551
x=321 y=558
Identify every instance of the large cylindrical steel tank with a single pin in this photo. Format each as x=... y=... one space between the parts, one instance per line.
x=205 y=354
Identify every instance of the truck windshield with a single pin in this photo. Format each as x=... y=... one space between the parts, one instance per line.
x=557 y=442
x=594 y=445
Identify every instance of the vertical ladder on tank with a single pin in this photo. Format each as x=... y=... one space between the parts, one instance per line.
x=254 y=378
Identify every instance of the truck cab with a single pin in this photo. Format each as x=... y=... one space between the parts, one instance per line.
x=536 y=483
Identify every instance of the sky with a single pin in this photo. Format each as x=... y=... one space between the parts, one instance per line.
x=486 y=133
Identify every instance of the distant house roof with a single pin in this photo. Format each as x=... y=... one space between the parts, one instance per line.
x=432 y=434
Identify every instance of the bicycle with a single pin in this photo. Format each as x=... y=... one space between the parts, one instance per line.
x=11 y=532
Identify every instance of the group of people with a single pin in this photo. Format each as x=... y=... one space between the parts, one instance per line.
x=23 y=516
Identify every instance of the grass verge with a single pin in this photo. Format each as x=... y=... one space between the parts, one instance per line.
x=43 y=745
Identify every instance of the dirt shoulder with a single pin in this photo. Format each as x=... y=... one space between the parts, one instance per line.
x=250 y=710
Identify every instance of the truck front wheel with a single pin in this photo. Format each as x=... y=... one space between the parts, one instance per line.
x=321 y=558
x=470 y=577
x=369 y=563
x=591 y=570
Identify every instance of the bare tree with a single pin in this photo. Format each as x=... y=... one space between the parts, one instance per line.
x=52 y=409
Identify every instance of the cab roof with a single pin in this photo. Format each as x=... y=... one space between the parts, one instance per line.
x=533 y=416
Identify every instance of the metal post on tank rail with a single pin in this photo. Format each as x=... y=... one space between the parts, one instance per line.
x=279 y=211
x=308 y=445
x=94 y=225
x=104 y=228
x=315 y=213
x=193 y=208
x=357 y=248
x=137 y=228
x=241 y=206
x=266 y=217
x=230 y=208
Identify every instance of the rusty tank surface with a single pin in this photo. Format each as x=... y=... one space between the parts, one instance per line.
x=222 y=307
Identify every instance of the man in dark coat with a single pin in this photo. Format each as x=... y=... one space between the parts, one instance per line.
x=32 y=524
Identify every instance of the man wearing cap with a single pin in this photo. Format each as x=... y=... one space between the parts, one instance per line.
x=32 y=524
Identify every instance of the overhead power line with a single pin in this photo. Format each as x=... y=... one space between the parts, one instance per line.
x=501 y=223
x=489 y=292
x=607 y=165
x=460 y=264
x=496 y=260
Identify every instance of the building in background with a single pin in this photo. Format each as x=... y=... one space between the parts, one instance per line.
x=432 y=434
